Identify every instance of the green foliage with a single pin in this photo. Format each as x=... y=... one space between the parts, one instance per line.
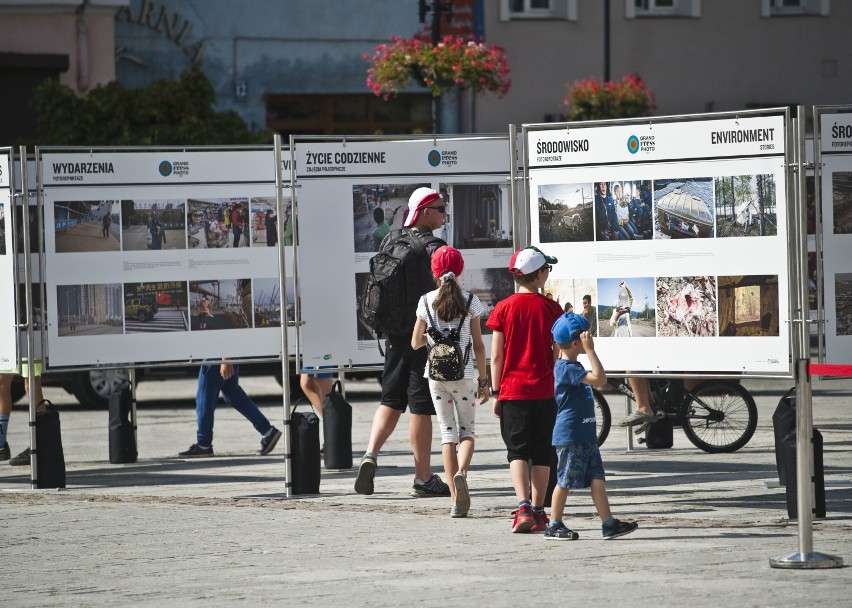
x=165 y=112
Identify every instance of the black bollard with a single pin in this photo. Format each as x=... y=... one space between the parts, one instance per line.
x=337 y=429
x=783 y=423
x=50 y=458
x=305 y=447
x=122 y=438
x=788 y=459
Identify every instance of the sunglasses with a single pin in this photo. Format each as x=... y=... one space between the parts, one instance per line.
x=442 y=209
x=549 y=267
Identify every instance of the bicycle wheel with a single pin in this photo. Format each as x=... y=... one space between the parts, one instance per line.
x=719 y=416
x=603 y=419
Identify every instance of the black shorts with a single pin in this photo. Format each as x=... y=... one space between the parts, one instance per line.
x=403 y=382
x=527 y=430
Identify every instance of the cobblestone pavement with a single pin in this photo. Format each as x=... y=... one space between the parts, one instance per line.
x=219 y=531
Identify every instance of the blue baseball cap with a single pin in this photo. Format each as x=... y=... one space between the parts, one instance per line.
x=567 y=325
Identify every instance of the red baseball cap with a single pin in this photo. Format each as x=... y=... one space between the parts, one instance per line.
x=447 y=259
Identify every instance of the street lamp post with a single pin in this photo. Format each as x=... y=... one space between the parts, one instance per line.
x=436 y=7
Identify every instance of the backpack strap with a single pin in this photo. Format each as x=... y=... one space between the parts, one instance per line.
x=429 y=314
x=458 y=329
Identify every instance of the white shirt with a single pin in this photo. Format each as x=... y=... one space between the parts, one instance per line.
x=476 y=311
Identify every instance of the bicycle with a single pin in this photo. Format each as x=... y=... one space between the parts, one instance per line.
x=717 y=416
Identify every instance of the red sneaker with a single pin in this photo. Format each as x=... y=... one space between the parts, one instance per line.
x=523 y=521
x=541 y=521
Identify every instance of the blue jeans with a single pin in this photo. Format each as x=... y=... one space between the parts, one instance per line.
x=210 y=384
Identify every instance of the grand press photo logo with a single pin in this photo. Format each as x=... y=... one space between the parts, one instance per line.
x=180 y=168
x=448 y=158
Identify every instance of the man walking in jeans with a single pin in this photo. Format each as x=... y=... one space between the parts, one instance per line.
x=403 y=378
x=225 y=378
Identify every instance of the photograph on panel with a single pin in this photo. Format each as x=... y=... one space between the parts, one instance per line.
x=35 y=229
x=575 y=295
x=155 y=307
x=565 y=213
x=478 y=216
x=813 y=282
x=843 y=303
x=684 y=208
x=686 y=306
x=265 y=230
x=626 y=307
x=153 y=224
x=376 y=210
x=748 y=305
x=623 y=211
x=89 y=310
x=220 y=304
x=490 y=285
x=745 y=205
x=86 y=226
x=218 y=223
x=841 y=196
x=266 y=293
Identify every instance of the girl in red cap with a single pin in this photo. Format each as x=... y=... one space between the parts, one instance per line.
x=446 y=309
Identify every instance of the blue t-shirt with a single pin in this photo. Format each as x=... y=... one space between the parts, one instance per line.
x=575 y=413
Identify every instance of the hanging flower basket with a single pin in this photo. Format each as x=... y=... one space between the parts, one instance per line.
x=455 y=61
x=596 y=100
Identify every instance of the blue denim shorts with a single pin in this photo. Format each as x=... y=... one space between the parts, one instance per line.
x=578 y=464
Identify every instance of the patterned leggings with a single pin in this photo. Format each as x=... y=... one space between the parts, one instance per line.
x=455 y=404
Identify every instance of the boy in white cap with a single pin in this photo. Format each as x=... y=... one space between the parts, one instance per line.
x=522 y=355
x=403 y=381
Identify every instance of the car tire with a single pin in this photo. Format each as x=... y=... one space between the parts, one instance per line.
x=93 y=387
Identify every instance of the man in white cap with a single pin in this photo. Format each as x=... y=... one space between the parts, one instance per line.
x=403 y=380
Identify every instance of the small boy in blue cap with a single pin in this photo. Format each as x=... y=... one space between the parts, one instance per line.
x=574 y=435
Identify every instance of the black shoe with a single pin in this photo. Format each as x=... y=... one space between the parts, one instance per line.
x=195 y=451
x=618 y=528
x=267 y=444
x=433 y=487
x=21 y=460
x=5 y=452
x=559 y=532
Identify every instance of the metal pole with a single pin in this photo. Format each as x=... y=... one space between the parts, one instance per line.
x=282 y=294
x=805 y=557
x=28 y=317
x=132 y=377
x=606 y=41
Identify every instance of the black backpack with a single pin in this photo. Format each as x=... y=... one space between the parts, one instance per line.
x=446 y=361
x=399 y=275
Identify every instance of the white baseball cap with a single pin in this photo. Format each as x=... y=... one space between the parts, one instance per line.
x=528 y=260
x=419 y=199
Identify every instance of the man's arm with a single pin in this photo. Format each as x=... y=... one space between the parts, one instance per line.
x=497 y=356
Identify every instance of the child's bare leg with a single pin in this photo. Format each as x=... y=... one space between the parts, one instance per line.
x=540 y=478
x=520 y=471
x=557 y=503
x=599 y=498
x=451 y=465
x=465 y=454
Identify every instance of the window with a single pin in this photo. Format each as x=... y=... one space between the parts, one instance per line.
x=792 y=8
x=538 y=9
x=662 y=8
x=348 y=114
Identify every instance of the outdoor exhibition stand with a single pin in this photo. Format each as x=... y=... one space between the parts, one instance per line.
x=135 y=239
x=688 y=233
x=350 y=192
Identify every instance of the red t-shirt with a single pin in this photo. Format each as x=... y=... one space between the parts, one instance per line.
x=525 y=320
